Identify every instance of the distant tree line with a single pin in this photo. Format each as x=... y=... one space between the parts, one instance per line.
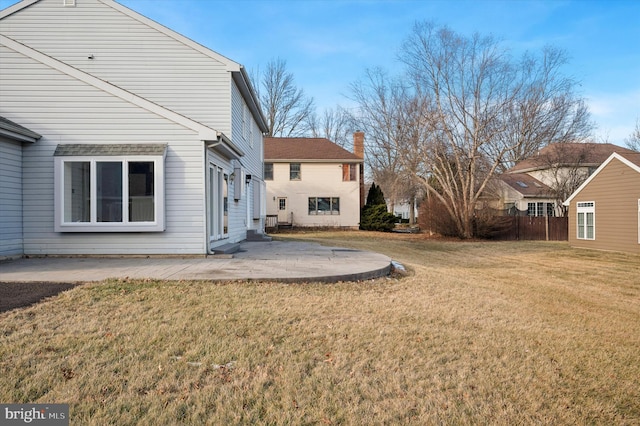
x=464 y=110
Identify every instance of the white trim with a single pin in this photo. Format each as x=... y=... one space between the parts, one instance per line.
x=157 y=225
x=231 y=65
x=16 y=7
x=586 y=208
x=204 y=132
x=598 y=170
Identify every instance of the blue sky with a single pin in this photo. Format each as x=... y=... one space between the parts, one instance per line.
x=328 y=44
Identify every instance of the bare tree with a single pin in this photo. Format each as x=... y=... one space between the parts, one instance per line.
x=546 y=109
x=380 y=102
x=633 y=141
x=479 y=108
x=286 y=107
x=337 y=125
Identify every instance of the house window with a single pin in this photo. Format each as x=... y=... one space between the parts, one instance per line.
x=349 y=172
x=109 y=193
x=586 y=220
x=244 y=122
x=324 y=205
x=268 y=171
x=540 y=209
x=294 y=171
x=551 y=210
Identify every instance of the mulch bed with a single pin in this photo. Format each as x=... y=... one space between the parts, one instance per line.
x=18 y=295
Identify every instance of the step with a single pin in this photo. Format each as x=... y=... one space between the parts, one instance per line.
x=228 y=248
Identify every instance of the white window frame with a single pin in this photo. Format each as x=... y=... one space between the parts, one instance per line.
x=330 y=212
x=157 y=225
x=299 y=171
x=584 y=208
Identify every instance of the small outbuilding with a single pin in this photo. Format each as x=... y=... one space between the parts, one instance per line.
x=604 y=212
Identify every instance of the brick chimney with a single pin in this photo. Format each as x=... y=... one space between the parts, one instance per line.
x=358 y=144
x=358 y=150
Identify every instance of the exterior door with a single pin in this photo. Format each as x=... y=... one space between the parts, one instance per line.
x=283 y=210
x=218 y=203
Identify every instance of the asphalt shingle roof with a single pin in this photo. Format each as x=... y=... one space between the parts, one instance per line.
x=310 y=149
x=586 y=154
x=110 y=149
x=526 y=185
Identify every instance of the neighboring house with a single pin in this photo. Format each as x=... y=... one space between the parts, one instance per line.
x=522 y=194
x=604 y=212
x=147 y=142
x=538 y=185
x=313 y=182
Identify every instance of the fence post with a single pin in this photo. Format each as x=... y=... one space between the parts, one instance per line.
x=546 y=227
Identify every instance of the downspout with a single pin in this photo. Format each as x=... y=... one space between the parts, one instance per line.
x=207 y=233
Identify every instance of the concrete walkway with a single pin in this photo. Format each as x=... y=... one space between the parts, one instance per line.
x=282 y=261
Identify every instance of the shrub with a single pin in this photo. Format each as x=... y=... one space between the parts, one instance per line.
x=377 y=218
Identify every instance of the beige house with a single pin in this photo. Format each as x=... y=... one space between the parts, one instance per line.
x=312 y=182
x=538 y=185
x=604 y=212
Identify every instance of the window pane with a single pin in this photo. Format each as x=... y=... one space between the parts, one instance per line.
x=312 y=205
x=580 y=225
x=335 y=205
x=540 y=211
x=590 y=226
x=109 y=191
x=268 y=171
x=141 y=192
x=352 y=172
x=324 y=204
x=77 y=191
x=531 y=209
x=294 y=171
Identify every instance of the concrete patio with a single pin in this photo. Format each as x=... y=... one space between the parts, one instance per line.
x=281 y=261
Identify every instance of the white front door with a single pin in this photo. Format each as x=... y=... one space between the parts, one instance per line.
x=283 y=210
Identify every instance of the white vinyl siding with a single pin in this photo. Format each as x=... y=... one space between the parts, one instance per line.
x=68 y=111
x=247 y=136
x=128 y=54
x=10 y=198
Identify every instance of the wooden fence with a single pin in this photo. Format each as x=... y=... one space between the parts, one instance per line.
x=535 y=228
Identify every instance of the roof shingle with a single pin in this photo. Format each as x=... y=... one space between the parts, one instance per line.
x=584 y=154
x=310 y=149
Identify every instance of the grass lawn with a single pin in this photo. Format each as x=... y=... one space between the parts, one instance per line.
x=477 y=333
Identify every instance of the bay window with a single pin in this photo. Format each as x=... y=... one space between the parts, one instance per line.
x=104 y=192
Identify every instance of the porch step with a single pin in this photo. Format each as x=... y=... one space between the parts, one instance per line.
x=252 y=235
x=228 y=248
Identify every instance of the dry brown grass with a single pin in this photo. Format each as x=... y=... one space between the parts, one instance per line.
x=478 y=333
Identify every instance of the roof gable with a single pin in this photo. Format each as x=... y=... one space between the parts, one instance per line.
x=306 y=149
x=238 y=72
x=568 y=154
x=630 y=159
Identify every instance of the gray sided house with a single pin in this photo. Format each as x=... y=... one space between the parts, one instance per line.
x=121 y=136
